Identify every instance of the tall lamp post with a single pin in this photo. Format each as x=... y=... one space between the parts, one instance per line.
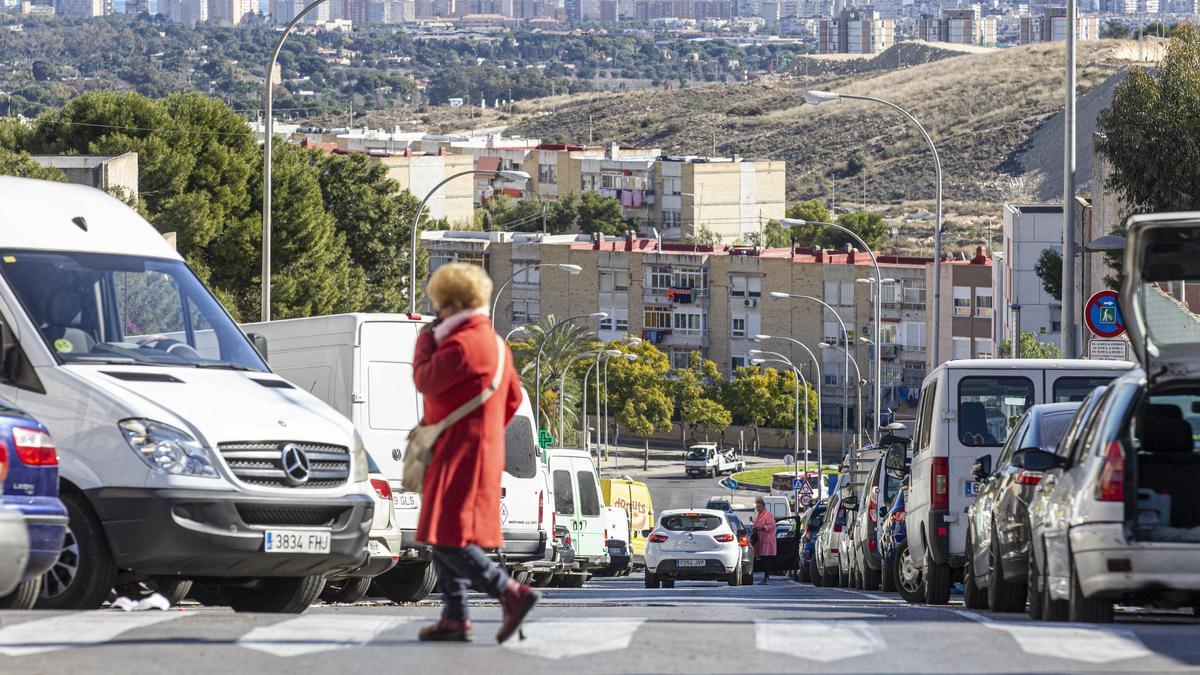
x=566 y=267
x=857 y=388
x=611 y=356
x=537 y=362
x=562 y=385
x=268 y=137
x=758 y=353
x=779 y=295
x=797 y=378
x=793 y=222
x=412 y=263
x=818 y=97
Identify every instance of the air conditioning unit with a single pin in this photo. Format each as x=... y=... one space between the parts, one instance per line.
x=751 y=302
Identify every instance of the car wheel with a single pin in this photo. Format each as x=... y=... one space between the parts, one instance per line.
x=174 y=590
x=843 y=578
x=1033 y=593
x=667 y=583
x=407 y=583
x=541 y=579
x=1003 y=596
x=734 y=578
x=910 y=581
x=814 y=574
x=24 y=596
x=1086 y=610
x=279 y=595
x=974 y=597
x=937 y=581
x=887 y=578
x=802 y=573
x=651 y=580
x=348 y=591
x=870 y=578
x=576 y=580
x=84 y=574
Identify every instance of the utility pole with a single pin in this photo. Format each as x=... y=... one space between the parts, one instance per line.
x=1068 y=228
x=544 y=230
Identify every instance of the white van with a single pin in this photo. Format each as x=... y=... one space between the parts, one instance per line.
x=577 y=505
x=361 y=365
x=182 y=457
x=967 y=409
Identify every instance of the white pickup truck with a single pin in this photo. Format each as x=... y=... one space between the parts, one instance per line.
x=708 y=459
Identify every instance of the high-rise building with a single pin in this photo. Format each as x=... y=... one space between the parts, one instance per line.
x=1052 y=26
x=187 y=12
x=79 y=8
x=856 y=31
x=137 y=6
x=959 y=26
x=229 y=12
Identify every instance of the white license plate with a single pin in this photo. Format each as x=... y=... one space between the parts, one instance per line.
x=691 y=563
x=972 y=488
x=405 y=500
x=296 y=541
x=377 y=549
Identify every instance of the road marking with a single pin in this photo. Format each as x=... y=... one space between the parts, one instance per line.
x=566 y=638
x=1081 y=642
x=822 y=641
x=318 y=633
x=74 y=630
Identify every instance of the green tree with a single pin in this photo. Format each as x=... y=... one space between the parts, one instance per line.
x=598 y=213
x=698 y=393
x=812 y=210
x=752 y=396
x=868 y=226
x=1049 y=270
x=1031 y=348
x=562 y=349
x=639 y=389
x=773 y=235
x=1115 y=30
x=19 y=163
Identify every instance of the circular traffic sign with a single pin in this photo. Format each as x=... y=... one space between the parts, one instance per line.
x=1103 y=315
x=788 y=460
x=730 y=483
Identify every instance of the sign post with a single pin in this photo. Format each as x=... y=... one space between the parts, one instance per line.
x=1103 y=317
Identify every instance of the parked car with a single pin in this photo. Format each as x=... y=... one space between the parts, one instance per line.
x=998 y=520
x=14 y=549
x=900 y=572
x=825 y=563
x=634 y=497
x=29 y=487
x=692 y=545
x=568 y=574
x=878 y=492
x=383 y=545
x=166 y=418
x=966 y=408
x=1122 y=523
x=720 y=503
x=709 y=459
x=576 y=490
x=743 y=538
x=810 y=523
x=620 y=557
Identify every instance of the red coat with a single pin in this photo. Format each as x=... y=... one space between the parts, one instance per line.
x=460 y=503
x=764 y=543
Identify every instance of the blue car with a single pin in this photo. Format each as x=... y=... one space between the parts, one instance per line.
x=29 y=477
x=900 y=572
x=809 y=524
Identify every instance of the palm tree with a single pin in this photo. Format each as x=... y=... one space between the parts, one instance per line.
x=562 y=350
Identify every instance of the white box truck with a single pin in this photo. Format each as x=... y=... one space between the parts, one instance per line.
x=361 y=365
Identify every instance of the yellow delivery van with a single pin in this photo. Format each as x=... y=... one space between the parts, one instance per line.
x=634 y=497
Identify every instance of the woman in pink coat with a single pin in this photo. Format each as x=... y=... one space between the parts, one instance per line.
x=764 y=537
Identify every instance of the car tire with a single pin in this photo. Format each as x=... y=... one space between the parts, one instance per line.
x=814 y=574
x=407 y=583
x=171 y=588
x=1003 y=596
x=209 y=596
x=652 y=580
x=1033 y=592
x=84 y=574
x=277 y=595
x=974 y=597
x=871 y=579
x=910 y=580
x=734 y=578
x=1086 y=610
x=575 y=580
x=829 y=579
x=802 y=573
x=347 y=591
x=24 y=596
x=843 y=578
x=937 y=581
x=887 y=579
x=541 y=579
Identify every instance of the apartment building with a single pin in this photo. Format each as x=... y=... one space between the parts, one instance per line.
x=968 y=308
x=1053 y=26
x=419 y=173
x=1028 y=230
x=80 y=8
x=958 y=26
x=715 y=300
x=855 y=30
x=230 y=12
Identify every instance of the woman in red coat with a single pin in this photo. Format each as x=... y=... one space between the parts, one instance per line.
x=456 y=359
x=764 y=537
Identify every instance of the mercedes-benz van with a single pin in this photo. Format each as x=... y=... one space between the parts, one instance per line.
x=182 y=457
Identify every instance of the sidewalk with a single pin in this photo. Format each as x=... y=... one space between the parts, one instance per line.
x=667 y=462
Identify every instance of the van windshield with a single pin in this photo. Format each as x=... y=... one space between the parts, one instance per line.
x=989 y=407
x=699 y=453
x=102 y=308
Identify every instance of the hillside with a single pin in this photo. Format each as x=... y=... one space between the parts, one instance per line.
x=992 y=114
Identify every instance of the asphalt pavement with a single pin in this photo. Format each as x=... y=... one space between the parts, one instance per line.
x=610 y=626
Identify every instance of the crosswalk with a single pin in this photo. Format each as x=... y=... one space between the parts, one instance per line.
x=819 y=640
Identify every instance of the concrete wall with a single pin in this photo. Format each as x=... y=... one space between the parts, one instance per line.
x=420 y=173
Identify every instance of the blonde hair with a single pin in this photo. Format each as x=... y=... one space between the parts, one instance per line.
x=467 y=286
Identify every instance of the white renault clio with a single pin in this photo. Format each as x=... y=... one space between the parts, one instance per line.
x=695 y=544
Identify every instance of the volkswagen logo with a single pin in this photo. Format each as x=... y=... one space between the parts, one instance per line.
x=296 y=467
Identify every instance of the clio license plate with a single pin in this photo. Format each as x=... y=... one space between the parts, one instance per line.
x=405 y=500
x=296 y=541
x=691 y=563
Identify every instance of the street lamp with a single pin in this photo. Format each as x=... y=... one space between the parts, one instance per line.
x=523 y=328
x=797 y=378
x=611 y=356
x=268 y=133
x=412 y=263
x=566 y=267
x=820 y=419
x=537 y=362
x=793 y=222
x=857 y=387
x=818 y=97
x=562 y=385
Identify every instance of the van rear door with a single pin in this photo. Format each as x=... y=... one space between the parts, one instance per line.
x=1160 y=293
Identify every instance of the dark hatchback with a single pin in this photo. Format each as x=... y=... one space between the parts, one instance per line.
x=998 y=521
x=29 y=475
x=809 y=525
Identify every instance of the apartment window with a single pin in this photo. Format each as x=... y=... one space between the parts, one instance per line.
x=670 y=187
x=736 y=362
x=745 y=287
x=614 y=281
x=656 y=319
x=659 y=279
x=962 y=301
x=887 y=333
x=912 y=292
x=529 y=275
x=587 y=182
x=738 y=327
x=548 y=173
x=839 y=292
x=983 y=302
x=671 y=218
x=984 y=349
x=830 y=379
x=439 y=258
x=912 y=334
x=617 y=319
x=526 y=311
x=962 y=347
x=690 y=277
x=891 y=294
x=681 y=359
x=832 y=333
x=688 y=322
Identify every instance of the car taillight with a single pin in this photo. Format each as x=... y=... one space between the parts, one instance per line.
x=939 y=487
x=725 y=538
x=1023 y=477
x=1112 y=475
x=606 y=534
x=382 y=488
x=553 y=520
x=3 y=462
x=657 y=538
x=871 y=544
x=567 y=539
x=34 y=447
x=837 y=528
x=743 y=542
x=872 y=512
x=541 y=508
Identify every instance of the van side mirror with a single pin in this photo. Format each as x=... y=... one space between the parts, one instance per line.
x=982 y=468
x=1036 y=459
x=260 y=344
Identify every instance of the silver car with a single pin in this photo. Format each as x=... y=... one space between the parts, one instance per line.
x=1121 y=522
x=14 y=549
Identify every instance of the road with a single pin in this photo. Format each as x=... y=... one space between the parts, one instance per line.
x=610 y=626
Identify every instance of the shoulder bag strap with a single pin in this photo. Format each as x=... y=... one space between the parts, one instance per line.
x=480 y=398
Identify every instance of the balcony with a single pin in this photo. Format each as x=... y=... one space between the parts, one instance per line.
x=688 y=338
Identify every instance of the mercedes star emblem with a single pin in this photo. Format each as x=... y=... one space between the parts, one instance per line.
x=296 y=467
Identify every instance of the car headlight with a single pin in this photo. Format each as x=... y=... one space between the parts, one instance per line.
x=167 y=449
x=359 y=460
